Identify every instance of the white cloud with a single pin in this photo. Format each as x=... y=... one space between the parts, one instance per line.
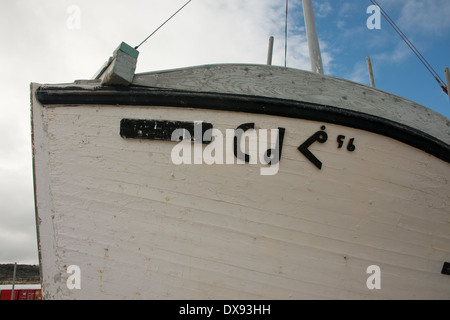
x=425 y=16
x=323 y=9
x=399 y=53
x=359 y=73
x=346 y=9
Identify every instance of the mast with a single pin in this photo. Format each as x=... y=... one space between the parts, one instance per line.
x=369 y=66
x=313 y=40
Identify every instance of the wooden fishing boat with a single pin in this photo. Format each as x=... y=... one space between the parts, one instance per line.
x=238 y=182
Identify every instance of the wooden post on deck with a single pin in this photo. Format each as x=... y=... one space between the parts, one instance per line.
x=270 y=53
x=369 y=66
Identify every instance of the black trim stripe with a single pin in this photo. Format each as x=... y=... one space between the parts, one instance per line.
x=250 y=104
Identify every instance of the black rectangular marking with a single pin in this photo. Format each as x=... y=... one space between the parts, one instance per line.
x=446 y=268
x=163 y=129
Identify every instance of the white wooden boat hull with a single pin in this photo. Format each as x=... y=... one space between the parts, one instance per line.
x=139 y=226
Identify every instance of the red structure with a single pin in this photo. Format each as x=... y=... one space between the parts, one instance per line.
x=22 y=294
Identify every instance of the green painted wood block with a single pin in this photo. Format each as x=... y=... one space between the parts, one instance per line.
x=120 y=68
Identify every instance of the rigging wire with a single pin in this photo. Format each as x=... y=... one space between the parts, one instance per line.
x=285 y=34
x=412 y=47
x=162 y=24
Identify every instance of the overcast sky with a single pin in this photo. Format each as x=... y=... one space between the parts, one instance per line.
x=59 y=41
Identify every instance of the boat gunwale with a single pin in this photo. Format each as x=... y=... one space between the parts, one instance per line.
x=73 y=95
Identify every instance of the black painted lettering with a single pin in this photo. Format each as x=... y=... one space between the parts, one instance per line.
x=238 y=153
x=351 y=147
x=340 y=140
x=273 y=155
x=319 y=136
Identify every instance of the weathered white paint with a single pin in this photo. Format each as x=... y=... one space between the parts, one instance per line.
x=140 y=227
x=293 y=84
